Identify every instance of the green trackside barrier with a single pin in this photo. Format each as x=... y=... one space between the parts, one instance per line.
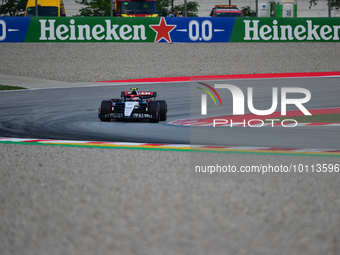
x=171 y=30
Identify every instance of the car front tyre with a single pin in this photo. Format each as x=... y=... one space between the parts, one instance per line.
x=163 y=109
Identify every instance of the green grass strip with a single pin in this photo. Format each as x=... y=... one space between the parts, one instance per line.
x=174 y=149
x=7 y=87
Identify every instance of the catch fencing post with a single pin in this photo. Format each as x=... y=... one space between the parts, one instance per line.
x=36 y=8
x=111 y=8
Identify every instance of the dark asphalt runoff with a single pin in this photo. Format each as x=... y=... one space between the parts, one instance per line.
x=71 y=114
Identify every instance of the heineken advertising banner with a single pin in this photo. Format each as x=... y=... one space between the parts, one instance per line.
x=180 y=30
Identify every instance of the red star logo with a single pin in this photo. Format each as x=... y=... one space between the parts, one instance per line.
x=163 y=30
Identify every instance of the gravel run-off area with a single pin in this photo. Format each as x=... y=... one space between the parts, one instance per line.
x=70 y=200
x=88 y=62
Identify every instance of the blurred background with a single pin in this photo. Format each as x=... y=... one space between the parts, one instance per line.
x=195 y=8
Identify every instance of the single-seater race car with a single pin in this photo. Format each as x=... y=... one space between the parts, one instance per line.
x=134 y=105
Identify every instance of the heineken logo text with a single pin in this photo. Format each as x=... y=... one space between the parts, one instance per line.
x=254 y=31
x=108 y=32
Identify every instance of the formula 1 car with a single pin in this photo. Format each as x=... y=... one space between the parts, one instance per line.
x=134 y=105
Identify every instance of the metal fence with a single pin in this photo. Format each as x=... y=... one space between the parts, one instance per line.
x=303 y=7
x=205 y=6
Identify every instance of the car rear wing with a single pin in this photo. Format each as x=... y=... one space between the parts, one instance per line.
x=142 y=94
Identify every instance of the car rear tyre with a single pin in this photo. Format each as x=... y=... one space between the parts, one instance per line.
x=106 y=108
x=154 y=111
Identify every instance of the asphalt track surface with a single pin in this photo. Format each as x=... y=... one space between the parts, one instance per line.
x=71 y=114
x=70 y=200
